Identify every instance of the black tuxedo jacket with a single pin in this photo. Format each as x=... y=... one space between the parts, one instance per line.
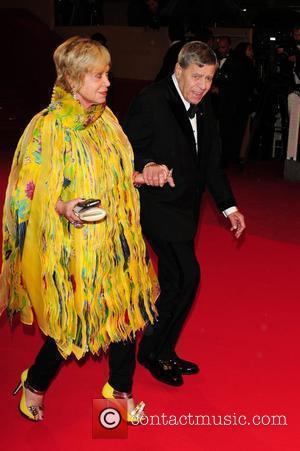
x=159 y=130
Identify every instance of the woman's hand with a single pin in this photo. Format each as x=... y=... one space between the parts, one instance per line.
x=138 y=179
x=66 y=209
x=154 y=175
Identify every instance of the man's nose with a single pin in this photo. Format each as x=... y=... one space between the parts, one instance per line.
x=202 y=83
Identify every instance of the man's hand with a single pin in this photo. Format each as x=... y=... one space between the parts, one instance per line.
x=158 y=175
x=237 y=223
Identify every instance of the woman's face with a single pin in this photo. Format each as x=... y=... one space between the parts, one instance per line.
x=94 y=87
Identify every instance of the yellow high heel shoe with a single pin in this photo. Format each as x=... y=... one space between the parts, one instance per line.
x=136 y=414
x=30 y=412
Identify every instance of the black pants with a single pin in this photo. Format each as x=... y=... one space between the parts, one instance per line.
x=179 y=276
x=49 y=360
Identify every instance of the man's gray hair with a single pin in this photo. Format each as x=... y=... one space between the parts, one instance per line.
x=196 y=52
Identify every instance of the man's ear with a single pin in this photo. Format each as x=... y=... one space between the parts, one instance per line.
x=178 y=70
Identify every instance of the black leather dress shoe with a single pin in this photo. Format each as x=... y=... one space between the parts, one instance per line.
x=184 y=366
x=163 y=371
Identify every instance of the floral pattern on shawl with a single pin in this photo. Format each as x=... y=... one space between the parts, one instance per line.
x=90 y=286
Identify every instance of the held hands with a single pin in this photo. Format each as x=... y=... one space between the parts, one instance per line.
x=66 y=209
x=154 y=175
x=237 y=223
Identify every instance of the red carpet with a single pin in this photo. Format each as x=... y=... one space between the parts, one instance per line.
x=243 y=331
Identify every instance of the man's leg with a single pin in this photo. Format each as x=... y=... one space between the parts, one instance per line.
x=178 y=274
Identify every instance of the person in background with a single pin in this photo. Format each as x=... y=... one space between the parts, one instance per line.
x=100 y=38
x=249 y=97
x=176 y=33
x=288 y=56
x=223 y=49
x=233 y=88
x=178 y=37
x=146 y=13
x=288 y=59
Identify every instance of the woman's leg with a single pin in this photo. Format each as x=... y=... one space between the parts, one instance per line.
x=45 y=367
x=37 y=379
x=121 y=369
x=122 y=365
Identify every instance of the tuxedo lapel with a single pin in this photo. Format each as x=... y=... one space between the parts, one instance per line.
x=181 y=116
x=200 y=128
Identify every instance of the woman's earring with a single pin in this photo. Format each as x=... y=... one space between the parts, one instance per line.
x=73 y=93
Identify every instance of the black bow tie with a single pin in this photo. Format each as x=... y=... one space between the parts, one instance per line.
x=192 y=111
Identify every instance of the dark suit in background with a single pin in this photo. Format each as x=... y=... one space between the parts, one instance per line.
x=235 y=81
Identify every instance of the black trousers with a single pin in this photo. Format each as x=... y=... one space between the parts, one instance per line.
x=48 y=361
x=179 y=276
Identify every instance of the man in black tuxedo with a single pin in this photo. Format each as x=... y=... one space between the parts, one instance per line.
x=177 y=149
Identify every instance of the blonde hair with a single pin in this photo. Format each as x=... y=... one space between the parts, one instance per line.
x=74 y=58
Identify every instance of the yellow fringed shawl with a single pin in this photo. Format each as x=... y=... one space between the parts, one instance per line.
x=87 y=287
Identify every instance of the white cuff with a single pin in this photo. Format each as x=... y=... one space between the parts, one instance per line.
x=230 y=210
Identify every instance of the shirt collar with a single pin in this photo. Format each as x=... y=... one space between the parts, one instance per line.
x=186 y=104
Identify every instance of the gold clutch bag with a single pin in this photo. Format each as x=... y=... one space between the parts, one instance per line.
x=89 y=211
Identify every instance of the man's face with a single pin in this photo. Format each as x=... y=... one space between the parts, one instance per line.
x=223 y=47
x=194 y=81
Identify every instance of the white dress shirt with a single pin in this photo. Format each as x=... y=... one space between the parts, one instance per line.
x=187 y=106
x=193 y=122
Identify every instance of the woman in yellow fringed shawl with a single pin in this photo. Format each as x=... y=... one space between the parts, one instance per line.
x=90 y=286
